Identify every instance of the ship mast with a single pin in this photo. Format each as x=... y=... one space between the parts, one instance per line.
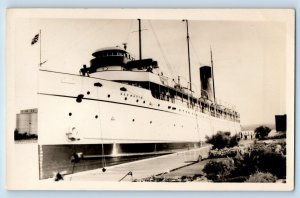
x=140 y=39
x=188 y=47
x=212 y=73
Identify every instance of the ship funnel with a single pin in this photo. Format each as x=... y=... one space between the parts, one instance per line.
x=206 y=83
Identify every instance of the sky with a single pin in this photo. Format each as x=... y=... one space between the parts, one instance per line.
x=249 y=57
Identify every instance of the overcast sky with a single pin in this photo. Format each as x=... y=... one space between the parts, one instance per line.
x=249 y=57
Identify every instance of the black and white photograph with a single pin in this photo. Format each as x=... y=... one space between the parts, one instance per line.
x=150 y=99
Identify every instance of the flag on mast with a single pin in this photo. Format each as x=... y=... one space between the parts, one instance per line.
x=35 y=39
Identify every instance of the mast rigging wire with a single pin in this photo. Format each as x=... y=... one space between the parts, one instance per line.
x=161 y=49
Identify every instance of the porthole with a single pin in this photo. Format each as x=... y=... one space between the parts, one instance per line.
x=88 y=93
x=125 y=98
x=133 y=120
x=150 y=122
x=137 y=100
x=108 y=95
x=97 y=84
x=70 y=114
x=144 y=101
x=123 y=89
x=79 y=98
x=96 y=116
x=158 y=105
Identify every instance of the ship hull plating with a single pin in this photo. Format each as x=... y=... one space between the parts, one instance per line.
x=99 y=118
x=69 y=159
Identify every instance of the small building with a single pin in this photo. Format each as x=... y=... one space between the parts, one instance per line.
x=247 y=135
x=26 y=121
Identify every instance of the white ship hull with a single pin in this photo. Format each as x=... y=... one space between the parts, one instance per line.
x=112 y=122
x=131 y=116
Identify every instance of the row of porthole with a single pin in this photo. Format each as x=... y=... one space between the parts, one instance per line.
x=169 y=107
x=133 y=120
x=143 y=102
x=96 y=116
x=185 y=111
x=88 y=93
x=174 y=108
x=70 y=114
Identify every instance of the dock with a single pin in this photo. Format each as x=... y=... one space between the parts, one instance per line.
x=140 y=169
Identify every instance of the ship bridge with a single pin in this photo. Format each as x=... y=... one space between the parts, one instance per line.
x=115 y=58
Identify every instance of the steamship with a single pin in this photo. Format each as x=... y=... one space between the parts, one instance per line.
x=120 y=106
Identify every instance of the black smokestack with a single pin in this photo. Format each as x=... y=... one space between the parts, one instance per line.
x=206 y=83
x=280 y=121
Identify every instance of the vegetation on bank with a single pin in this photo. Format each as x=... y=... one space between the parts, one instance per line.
x=262 y=132
x=257 y=162
x=230 y=160
x=260 y=177
x=24 y=136
x=222 y=140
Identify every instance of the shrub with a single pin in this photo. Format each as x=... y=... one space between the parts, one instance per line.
x=278 y=136
x=219 y=170
x=262 y=132
x=225 y=152
x=24 y=136
x=222 y=140
x=234 y=141
x=264 y=158
x=260 y=177
x=269 y=161
x=16 y=134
